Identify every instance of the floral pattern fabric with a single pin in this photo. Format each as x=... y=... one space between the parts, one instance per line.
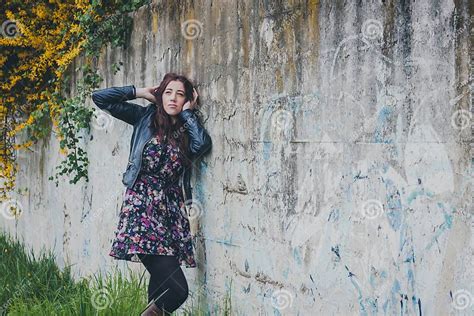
x=153 y=218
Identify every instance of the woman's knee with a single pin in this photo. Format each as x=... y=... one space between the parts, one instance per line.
x=182 y=295
x=180 y=288
x=185 y=293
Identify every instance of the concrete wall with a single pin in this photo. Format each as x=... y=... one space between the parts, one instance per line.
x=340 y=176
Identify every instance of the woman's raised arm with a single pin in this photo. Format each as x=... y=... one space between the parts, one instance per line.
x=200 y=141
x=113 y=101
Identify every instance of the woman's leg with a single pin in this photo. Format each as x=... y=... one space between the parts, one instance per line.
x=168 y=285
x=151 y=288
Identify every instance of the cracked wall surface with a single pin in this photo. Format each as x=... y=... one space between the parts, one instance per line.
x=340 y=178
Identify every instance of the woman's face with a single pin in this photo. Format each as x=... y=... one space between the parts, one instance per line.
x=174 y=98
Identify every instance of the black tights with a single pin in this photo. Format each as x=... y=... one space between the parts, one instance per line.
x=168 y=285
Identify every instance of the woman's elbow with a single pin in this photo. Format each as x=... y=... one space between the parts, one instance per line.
x=208 y=145
x=203 y=148
x=98 y=100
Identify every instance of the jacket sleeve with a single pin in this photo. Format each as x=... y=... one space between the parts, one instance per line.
x=200 y=141
x=113 y=101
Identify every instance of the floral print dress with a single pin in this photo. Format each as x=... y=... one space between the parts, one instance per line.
x=153 y=217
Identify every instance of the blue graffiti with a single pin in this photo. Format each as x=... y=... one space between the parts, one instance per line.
x=382 y=120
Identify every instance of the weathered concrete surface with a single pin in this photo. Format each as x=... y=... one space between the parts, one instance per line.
x=339 y=180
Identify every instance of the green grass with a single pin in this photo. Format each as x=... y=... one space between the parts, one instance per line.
x=36 y=286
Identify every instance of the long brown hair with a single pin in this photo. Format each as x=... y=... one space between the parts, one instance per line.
x=162 y=123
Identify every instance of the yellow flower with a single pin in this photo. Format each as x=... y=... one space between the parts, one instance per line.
x=50 y=37
x=40 y=10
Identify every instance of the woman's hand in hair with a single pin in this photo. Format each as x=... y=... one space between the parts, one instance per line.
x=147 y=93
x=191 y=104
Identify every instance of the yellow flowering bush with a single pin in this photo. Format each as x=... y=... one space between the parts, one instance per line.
x=39 y=40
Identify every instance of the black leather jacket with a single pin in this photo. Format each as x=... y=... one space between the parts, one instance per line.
x=113 y=101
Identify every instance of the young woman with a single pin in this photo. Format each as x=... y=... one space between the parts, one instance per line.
x=153 y=227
